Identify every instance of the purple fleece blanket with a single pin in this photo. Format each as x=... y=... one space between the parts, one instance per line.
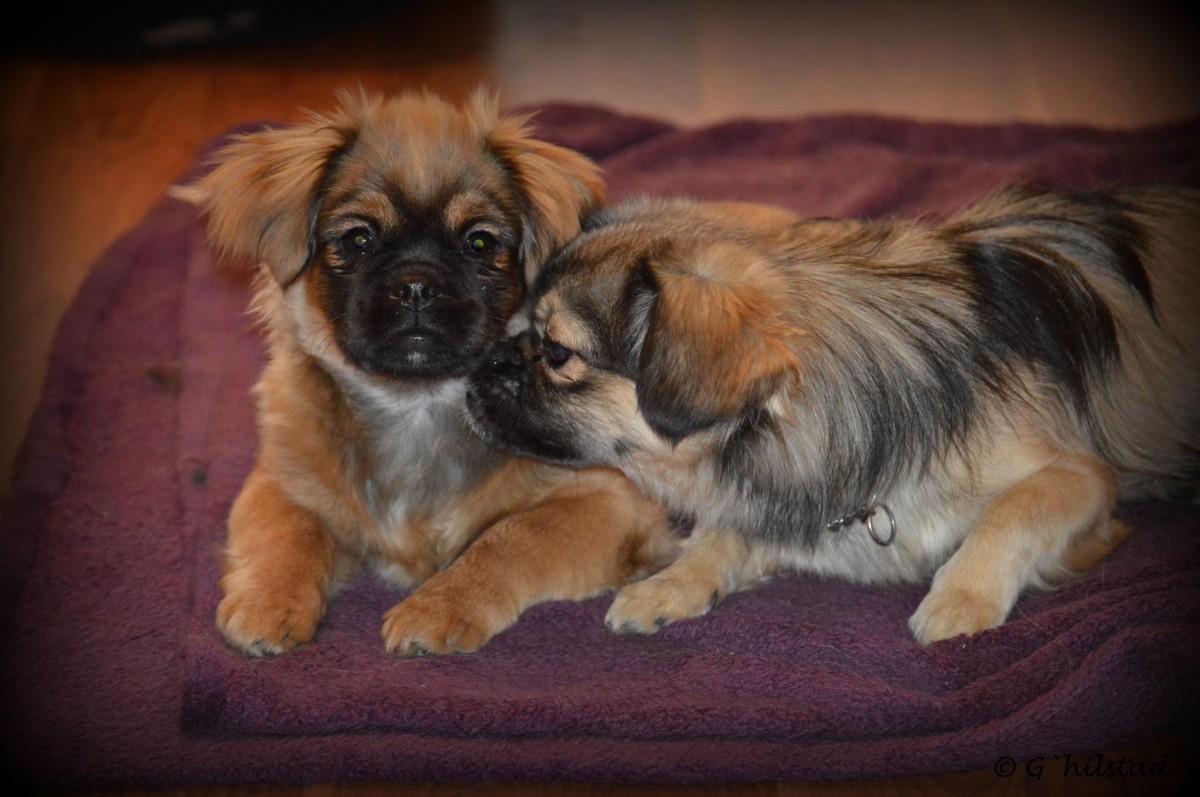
x=113 y=674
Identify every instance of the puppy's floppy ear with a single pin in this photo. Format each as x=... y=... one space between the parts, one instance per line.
x=261 y=198
x=559 y=186
x=716 y=343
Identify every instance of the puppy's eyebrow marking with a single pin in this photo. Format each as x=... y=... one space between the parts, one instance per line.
x=568 y=332
x=341 y=225
x=542 y=316
x=370 y=205
x=557 y=333
x=545 y=325
x=476 y=208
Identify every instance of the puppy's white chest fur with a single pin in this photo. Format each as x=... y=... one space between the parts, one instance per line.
x=419 y=448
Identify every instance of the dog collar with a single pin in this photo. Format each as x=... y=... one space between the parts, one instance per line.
x=866 y=515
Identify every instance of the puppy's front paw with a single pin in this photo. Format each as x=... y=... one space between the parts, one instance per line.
x=261 y=620
x=644 y=607
x=946 y=613
x=430 y=622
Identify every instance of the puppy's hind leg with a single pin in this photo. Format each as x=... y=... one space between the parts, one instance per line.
x=1056 y=521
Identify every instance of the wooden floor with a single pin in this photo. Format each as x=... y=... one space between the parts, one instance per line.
x=88 y=144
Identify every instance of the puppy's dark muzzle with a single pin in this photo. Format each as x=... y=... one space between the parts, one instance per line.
x=507 y=405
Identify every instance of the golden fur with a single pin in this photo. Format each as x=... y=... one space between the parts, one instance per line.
x=364 y=457
x=994 y=383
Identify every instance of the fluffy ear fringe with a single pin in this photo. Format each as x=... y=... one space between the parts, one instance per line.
x=561 y=186
x=260 y=197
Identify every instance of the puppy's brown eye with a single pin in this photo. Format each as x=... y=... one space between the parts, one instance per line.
x=556 y=354
x=481 y=242
x=358 y=242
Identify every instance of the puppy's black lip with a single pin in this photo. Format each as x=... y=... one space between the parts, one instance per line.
x=438 y=361
x=417 y=337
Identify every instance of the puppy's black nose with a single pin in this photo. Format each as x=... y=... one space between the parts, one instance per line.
x=416 y=287
x=504 y=353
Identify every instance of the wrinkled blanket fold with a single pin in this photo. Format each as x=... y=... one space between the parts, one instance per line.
x=114 y=675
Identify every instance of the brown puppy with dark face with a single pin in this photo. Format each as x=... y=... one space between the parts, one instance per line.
x=879 y=402
x=395 y=237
